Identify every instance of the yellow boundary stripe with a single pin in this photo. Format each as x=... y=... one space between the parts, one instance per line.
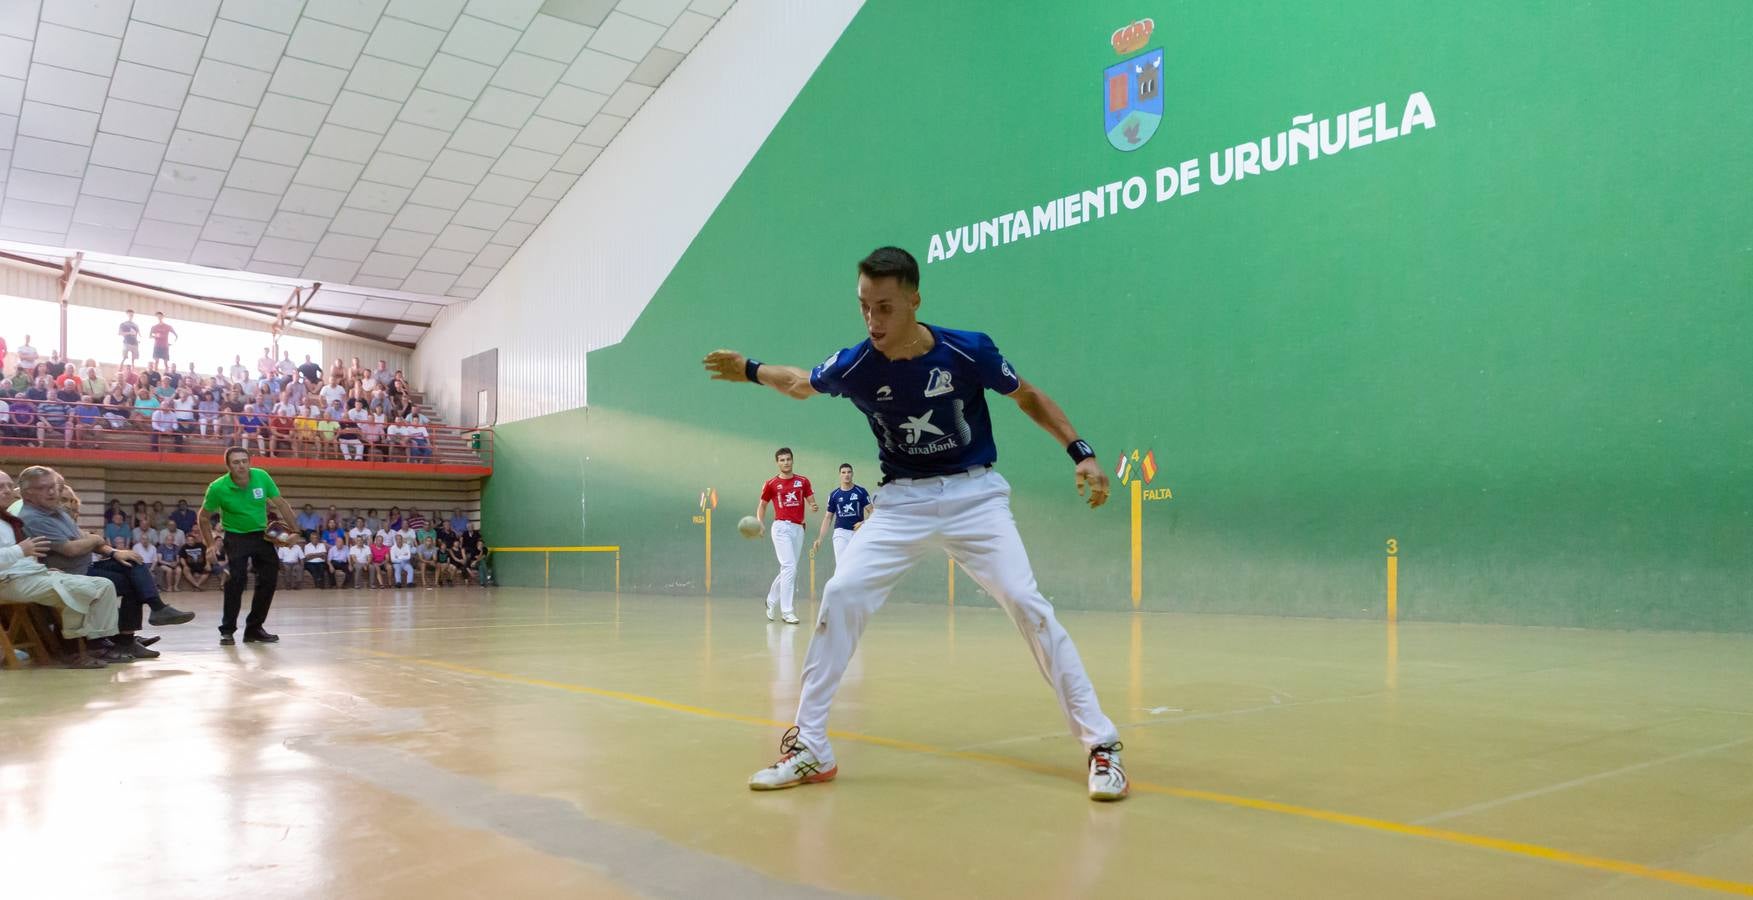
x=605 y=549
x=1461 y=838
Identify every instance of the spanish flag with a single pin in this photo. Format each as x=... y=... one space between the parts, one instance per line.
x=1148 y=467
x=1124 y=472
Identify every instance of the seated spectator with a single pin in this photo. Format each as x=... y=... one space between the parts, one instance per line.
x=54 y=421
x=194 y=564
x=395 y=440
x=327 y=431
x=311 y=371
x=360 y=531
x=87 y=606
x=309 y=519
x=239 y=373
x=339 y=576
x=116 y=532
x=291 y=564
x=333 y=393
x=208 y=412
x=419 y=440
x=402 y=561
x=426 y=557
x=444 y=564
x=251 y=427
x=167 y=563
x=87 y=426
x=164 y=426
x=280 y=429
x=350 y=438
x=185 y=407
x=56 y=366
x=183 y=517
x=380 y=561
x=359 y=561
x=316 y=559
x=475 y=551
x=371 y=430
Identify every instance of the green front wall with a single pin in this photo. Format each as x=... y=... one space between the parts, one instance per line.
x=1517 y=342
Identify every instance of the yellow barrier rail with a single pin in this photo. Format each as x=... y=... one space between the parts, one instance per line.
x=548 y=557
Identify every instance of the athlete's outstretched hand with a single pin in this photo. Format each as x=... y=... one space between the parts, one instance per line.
x=1092 y=482
x=726 y=365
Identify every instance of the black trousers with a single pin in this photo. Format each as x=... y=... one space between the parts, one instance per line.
x=134 y=587
x=249 y=550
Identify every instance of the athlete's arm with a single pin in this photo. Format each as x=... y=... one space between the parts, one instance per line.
x=761 y=512
x=1038 y=406
x=729 y=365
x=822 y=532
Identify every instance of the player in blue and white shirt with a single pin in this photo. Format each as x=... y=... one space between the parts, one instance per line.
x=847 y=507
x=923 y=389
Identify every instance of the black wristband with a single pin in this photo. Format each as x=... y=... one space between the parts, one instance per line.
x=1079 y=450
x=750 y=368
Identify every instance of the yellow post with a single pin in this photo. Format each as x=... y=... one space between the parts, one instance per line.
x=546 y=557
x=1137 y=541
x=952 y=581
x=1393 y=581
x=708 y=551
x=617 y=571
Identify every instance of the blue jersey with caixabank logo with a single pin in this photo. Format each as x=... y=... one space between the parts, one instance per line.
x=928 y=414
x=848 y=506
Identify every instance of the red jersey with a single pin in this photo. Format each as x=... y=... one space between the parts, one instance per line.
x=787 y=496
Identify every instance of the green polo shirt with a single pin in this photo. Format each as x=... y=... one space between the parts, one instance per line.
x=242 y=508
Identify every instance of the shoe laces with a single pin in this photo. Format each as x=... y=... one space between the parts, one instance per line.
x=1102 y=761
x=789 y=746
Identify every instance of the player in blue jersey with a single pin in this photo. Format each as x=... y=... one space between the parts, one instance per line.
x=923 y=388
x=848 y=505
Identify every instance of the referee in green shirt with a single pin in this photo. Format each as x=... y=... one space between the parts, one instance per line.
x=241 y=497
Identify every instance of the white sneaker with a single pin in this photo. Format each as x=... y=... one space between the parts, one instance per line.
x=788 y=619
x=796 y=765
x=770 y=611
x=1107 y=778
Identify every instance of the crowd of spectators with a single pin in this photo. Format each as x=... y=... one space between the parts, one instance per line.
x=102 y=584
x=277 y=408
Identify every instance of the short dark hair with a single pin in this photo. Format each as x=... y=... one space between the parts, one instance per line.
x=782 y=451
x=890 y=262
x=845 y=465
x=230 y=450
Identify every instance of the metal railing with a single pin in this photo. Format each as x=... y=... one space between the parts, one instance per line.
x=55 y=424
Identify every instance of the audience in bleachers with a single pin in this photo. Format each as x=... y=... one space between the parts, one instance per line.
x=350 y=412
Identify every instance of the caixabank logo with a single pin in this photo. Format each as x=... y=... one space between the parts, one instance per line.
x=1132 y=89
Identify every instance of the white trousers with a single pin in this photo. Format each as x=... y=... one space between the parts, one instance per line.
x=842 y=537
x=969 y=516
x=787 y=544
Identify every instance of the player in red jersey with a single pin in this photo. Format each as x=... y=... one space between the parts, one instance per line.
x=787 y=492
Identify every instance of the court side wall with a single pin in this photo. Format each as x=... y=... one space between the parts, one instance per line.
x=1511 y=337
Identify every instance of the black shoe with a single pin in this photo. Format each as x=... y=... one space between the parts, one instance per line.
x=148 y=641
x=170 y=615
x=259 y=636
x=225 y=639
x=127 y=644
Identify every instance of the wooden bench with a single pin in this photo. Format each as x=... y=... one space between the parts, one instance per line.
x=20 y=630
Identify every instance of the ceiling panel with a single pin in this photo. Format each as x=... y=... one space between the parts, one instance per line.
x=404 y=146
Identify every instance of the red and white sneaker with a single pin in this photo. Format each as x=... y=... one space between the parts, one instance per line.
x=796 y=765
x=1107 y=778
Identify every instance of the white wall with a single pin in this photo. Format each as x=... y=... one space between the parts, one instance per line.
x=584 y=276
x=37 y=283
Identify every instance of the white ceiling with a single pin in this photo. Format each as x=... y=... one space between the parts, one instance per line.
x=406 y=146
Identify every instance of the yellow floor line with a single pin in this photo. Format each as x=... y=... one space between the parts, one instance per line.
x=1461 y=838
